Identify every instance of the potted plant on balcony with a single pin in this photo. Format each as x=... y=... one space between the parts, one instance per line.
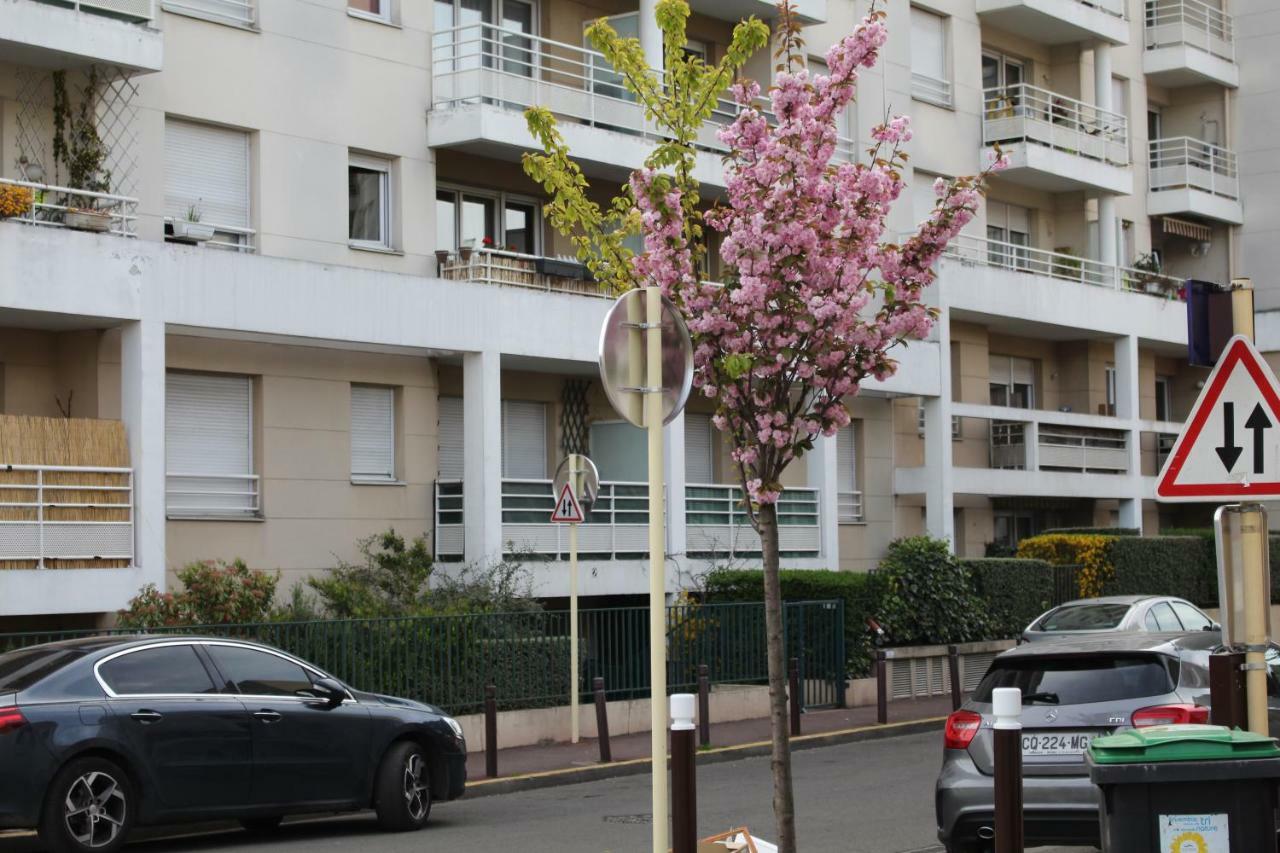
x=191 y=229
x=442 y=258
x=465 y=250
x=1146 y=274
x=77 y=146
x=15 y=201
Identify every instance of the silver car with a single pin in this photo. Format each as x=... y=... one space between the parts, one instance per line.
x=1073 y=690
x=1153 y=613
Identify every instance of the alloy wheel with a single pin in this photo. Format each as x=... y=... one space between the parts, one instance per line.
x=416 y=796
x=94 y=809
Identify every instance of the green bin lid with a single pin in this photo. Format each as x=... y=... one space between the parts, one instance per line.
x=1188 y=742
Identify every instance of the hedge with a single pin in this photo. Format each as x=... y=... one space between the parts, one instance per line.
x=1016 y=591
x=1094 y=531
x=1164 y=565
x=862 y=593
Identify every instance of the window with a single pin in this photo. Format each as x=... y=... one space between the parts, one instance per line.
x=697 y=448
x=21 y=668
x=1191 y=618
x=206 y=177
x=1163 y=617
x=369 y=202
x=1081 y=680
x=524 y=440
x=930 y=79
x=923 y=198
x=373 y=433
x=848 y=495
x=209 y=445
x=1009 y=233
x=1012 y=527
x=256 y=673
x=1110 y=408
x=1012 y=381
x=620 y=451
x=377 y=9
x=481 y=220
x=1085 y=617
x=1164 y=407
x=1002 y=79
x=451 y=438
x=604 y=80
x=1120 y=96
x=159 y=670
x=1155 y=122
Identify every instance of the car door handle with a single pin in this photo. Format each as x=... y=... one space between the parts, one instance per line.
x=268 y=716
x=147 y=717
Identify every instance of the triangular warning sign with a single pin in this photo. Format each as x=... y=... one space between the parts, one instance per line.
x=567 y=510
x=1229 y=448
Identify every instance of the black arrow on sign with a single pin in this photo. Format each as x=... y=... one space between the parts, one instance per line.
x=1259 y=423
x=1229 y=452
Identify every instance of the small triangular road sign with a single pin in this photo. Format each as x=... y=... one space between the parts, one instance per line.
x=1229 y=449
x=567 y=510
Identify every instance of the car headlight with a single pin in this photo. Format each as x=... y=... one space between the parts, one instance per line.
x=456 y=726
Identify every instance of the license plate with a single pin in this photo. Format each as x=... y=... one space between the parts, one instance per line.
x=1037 y=744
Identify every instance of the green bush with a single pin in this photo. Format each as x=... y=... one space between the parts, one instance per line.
x=1093 y=531
x=1015 y=591
x=1184 y=566
x=213 y=593
x=929 y=596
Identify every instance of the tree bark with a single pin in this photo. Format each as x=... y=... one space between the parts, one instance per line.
x=784 y=807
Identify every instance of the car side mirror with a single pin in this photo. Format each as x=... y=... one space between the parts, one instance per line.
x=330 y=690
x=1213 y=626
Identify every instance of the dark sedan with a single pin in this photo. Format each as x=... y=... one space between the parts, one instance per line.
x=103 y=734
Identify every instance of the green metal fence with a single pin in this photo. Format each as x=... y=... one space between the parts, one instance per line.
x=448 y=660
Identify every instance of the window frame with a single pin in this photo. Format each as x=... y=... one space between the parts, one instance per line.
x=216 y=690
x=500 y=199
x=365 y=478
x=384 y=166
x=1164 y=397
x=251 y=451
x=385 y=15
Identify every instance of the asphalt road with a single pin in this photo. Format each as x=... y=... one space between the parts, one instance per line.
x=872 y=797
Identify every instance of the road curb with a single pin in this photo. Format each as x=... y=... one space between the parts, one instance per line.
x=715 y=755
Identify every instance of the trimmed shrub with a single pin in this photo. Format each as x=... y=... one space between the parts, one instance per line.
x=1093 y=531
x=1090 y=552
x=1184 y=566
x=1014 y=591
x=929 y=596
x=213 y=593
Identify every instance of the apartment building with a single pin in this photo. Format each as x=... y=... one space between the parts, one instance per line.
x=323 y=299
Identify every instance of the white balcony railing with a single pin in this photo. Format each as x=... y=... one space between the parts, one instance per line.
x=1059 y=448
x=62 y=207
x=933 y=90
x=140 y=11
x=201 y=495
x=513 y=269
x=849 y=508
x=487 y=64
x=1185 y=163
x=1115 y=8
x=717 y=524
x=240 y=13
x=1025 y=113
x=1191 y=23
x=234 y=238
x=51 y=515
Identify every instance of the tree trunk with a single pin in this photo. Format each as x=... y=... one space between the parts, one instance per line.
x=784 y=807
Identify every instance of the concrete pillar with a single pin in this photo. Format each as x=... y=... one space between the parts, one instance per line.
x=482 y=456
x=142 y=389
x=822 y=475
x=1031 y=437
x=939 y=498
x=673 y=474
x=1128 y=393
x=1107 y=250
x=650 y=35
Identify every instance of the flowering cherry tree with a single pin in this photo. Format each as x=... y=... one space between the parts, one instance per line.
x=816 y=293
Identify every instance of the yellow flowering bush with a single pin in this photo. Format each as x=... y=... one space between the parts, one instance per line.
x=14 y=201
x=1091 y=552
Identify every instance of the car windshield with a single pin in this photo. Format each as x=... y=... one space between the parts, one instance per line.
x=22 y=668
x=1080 y=680
x=1084 y=617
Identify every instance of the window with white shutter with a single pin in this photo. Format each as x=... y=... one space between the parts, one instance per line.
x=930 y=79
x=206 y=174
x=373 y=433
x=450 y=438
x=848 y=495
x=209 y=445
x=524 y=440
x=697 y=448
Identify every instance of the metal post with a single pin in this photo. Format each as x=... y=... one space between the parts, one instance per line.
x=1227 y=703
x=953 y=669
x=1253 y=541
x=882 y=692
x=602 y=720
x=573 y=607
x=684 y=782
x=704 y=705
x=40 y=516
x=1006 y=705
x=490 y=731
x=793 y=689
x=657 y=567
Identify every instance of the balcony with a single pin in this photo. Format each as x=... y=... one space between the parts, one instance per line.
x=512 y=269
x=1059 y=21
x=79 y=33
x=51 y=206
x=1189 y=43
x=65 y=517
x=484 y=77
x=1190 y=176
x=236 y=13
x=733 y=11
x=718 y=528
x=1058 y=448
x=1056 y=143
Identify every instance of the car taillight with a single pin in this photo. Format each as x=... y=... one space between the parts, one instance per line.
x=11 y=718
x=962 y=726
x=1168 y=715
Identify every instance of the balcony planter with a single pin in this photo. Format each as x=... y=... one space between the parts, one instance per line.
x=562 y=268
x=192 y=232
x=442 y=258
x=80 y=219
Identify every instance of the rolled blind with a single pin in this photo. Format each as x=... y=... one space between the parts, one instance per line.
x=524 y=440
x=206 y=166
x=697 y=448
x=209 y=443
x=451 y=438
x=928 y=44
x=846 y=460
x=373 y=432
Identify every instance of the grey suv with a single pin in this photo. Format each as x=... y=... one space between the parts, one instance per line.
x=1072 y=691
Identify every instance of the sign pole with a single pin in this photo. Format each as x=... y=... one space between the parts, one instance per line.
x=1253 y=535
x=573 y=609
x=653 y=417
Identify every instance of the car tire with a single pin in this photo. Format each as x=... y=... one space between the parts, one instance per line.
x=261 y=825
x=89 y=808
x=402 y=790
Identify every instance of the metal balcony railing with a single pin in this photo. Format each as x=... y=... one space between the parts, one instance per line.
x=931 y=89
x=241 y=13
x=1181 y=162
x=487 y=64
x=717 y=524
x=1060 y=448
x=204 y=495
x=849 y=508
x=1193 y=23
x=513 y=269
x=53 y=515
x=138 y=11
x=1025 y=113
x=234 y=238
x=63 y=207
